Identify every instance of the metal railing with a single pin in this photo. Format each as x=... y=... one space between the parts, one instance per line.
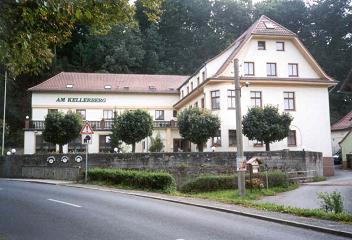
x=98 y=125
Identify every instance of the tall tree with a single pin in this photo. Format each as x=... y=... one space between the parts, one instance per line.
x=29 y=29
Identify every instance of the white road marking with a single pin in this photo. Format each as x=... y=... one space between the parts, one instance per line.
x=66 y=203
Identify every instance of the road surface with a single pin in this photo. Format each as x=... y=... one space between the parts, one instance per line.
x=50 y=212
x=306 y=195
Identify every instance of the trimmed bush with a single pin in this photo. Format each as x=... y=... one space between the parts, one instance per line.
x=208 y=183
x=159 y=181
x=275 y=178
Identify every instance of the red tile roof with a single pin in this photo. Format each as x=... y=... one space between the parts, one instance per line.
x=106 y=82
x=267 y=26
x=344 y=123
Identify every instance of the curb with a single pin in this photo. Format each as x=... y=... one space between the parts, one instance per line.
x=220 y=209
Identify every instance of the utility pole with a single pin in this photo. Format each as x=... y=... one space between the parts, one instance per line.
x=239 y=155
x=4 y=118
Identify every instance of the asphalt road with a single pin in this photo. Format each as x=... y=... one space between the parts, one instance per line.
x=50 y=212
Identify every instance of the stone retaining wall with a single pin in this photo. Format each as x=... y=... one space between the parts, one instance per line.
x=183 y=166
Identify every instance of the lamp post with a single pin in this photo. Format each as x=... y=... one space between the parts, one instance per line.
x=4 y=118
x=239 y=155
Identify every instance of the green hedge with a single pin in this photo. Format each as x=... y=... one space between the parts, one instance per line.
x=209 y=183
x=159 y=181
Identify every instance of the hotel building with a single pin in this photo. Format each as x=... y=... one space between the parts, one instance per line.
x=279 y=69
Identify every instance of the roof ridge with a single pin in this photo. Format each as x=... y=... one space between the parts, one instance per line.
x=139 y=74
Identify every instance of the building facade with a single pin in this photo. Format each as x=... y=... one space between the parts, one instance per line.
x=275 y=69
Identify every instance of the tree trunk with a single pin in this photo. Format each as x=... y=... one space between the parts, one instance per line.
x=267 y=146
x=133 y=147
x=200 y=147
x=60 y=148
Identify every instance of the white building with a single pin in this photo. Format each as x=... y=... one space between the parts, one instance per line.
x=280 y=70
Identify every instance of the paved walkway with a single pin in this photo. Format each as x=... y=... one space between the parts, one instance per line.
x=306 y=195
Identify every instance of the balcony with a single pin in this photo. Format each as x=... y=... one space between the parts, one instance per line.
x=97 y=125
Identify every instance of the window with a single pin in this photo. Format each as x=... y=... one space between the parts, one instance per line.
x=293 y=70
x=187 y=89
x=52 y=111
x=197 y=81
x=104 y=143
x=191 y=86
x=202 y=103
x=159 y=114
x=261 y=45
x=232 y=138
x=280 y=46
x=289 y=101
x=256 y=98
x=174 y=113
x=82 y=113
x=215 y=99
x=107 y=86
x=291 y=138
x=271 y=69
x=203 y=75
x=231 y=99
x=196 y=105
x=182 y=93
x=108 y=114
x=76 y=145
x=216 y=140
x=249 y=68
x=269 y=25
x=69 y=85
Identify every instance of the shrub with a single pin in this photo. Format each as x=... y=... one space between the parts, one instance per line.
x=209 y=183
x=332 y=202
x=159 y=181
x=275 y=178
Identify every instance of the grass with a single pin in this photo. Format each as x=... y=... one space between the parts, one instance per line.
x=319 y=178
x=250 y=200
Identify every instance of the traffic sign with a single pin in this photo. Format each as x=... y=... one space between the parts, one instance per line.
x=86 y=139
x=87 y=129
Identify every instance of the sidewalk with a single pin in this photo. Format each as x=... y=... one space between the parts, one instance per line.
x=320 y=225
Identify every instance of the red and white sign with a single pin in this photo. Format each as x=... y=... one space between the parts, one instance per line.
x=87 y=129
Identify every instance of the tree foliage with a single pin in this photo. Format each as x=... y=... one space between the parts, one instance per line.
x=266 y=124
x=30 y=29
x=133 y=126
x=188 y=33
x=197 y=126
x=157 y=144
x=61 y=129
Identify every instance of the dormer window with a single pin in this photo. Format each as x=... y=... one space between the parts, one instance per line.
x=152 y=88
x=261 y=45
x=269 y=25
x=69 y=85
x=107 y=86
x=126 y=88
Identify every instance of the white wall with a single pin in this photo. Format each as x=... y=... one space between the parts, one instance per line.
x=250 y=53
x=336 y=138
x=311 y=118
x=41 y=102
